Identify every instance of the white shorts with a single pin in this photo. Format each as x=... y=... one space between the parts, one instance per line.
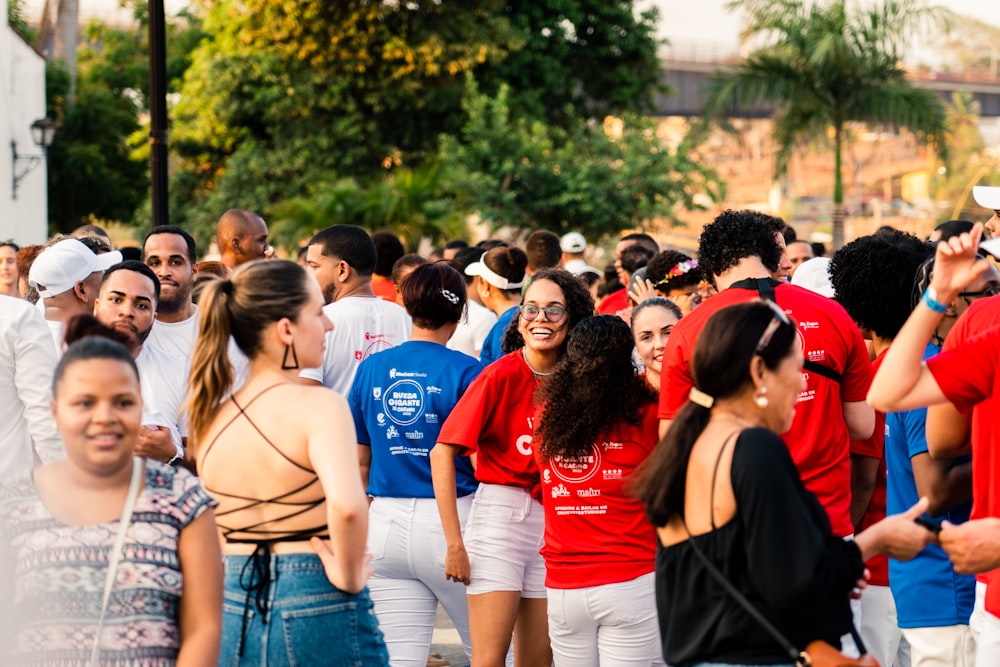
x=503 y=536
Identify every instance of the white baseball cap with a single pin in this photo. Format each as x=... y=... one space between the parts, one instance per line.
x=61 y=266
x=573 y=242
x=987 y=197
x=814 y=275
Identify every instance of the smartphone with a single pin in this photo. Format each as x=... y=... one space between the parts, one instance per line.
x=929 y=524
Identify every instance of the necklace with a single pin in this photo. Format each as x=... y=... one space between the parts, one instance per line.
x=538 y=374
x=736 y=418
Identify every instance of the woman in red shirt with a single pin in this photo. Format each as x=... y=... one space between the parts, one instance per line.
x=498 y=557
x=596 y=425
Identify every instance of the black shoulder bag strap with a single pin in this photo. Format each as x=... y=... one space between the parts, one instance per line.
x=765 y=289
x=798 y=657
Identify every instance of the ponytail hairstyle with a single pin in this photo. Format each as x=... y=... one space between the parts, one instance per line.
x=579 y=306
x=258 y=294
x=721 y=368
x=594 y=387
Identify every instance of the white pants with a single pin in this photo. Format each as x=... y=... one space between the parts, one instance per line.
x=985 y=628
x=406 y=541
x=614 y=625
x=948 y=646
x=879 y=628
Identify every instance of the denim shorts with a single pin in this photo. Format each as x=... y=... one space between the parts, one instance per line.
x=307 y=621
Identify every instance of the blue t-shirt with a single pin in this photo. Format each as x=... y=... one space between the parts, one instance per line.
x=927 y=590
x=399 y=399
x=491 y=346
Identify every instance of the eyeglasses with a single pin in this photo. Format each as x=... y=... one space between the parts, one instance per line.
x=989 y=290
x=553 y=314
x=777 y=319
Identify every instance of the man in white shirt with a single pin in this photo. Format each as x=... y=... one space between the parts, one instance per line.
x=27 y=364
x=172 y=255
x=477 y=321
x=342 y=259
x=67 y=276
x=127 y=302
x=573 y=246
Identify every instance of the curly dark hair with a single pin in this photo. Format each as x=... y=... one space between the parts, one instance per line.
x=873 y=279
x=579 y=306
x=593 y=387
x=661 y=264
x=734 y=235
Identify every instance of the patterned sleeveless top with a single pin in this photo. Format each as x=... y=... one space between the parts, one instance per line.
x=59 y=573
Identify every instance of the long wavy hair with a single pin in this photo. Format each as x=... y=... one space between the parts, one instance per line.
x=579 y=306
x=721 y=368
x=258 y=294
x=593 y=387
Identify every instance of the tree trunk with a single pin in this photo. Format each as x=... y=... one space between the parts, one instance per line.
x=67 y=26
x=839 y=213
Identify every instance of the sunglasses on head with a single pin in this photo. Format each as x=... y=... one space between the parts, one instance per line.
x=778 y=317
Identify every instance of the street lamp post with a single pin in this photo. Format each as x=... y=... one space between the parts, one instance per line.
x=158 y=139
x=43 y=131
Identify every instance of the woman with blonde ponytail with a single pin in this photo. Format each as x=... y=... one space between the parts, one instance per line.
x=280 y=458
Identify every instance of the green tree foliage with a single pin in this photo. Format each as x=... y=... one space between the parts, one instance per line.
x=411 y=202
x=98 y=162
x=17 y=21
x=581 y=58
x=527 y=174
x=284 y=93
x=827 y=63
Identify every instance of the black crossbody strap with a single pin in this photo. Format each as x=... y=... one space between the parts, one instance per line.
x=765 y=290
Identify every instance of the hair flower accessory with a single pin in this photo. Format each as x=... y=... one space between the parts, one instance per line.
x=451 y=296
x=682 y=268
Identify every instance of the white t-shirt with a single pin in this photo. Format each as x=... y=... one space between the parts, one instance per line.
x=163 y=381
x=472 y=329
x=362 y=326
x=176 y=338
x=27 y=363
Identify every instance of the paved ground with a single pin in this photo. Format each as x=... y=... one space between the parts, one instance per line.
x=446 y=642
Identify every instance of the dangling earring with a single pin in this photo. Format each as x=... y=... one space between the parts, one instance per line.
x=760 y=398
x=285 y=366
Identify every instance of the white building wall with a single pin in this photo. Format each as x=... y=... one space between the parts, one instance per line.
x=22 y=102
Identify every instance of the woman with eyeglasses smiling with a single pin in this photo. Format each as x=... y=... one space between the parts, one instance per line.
x=498 y=556
x=726 y=497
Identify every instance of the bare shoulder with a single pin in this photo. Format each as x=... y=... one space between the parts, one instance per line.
x=317 y=402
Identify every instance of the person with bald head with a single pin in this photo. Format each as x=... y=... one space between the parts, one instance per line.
x=241 y=236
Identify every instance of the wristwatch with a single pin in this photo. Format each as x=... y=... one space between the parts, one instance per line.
x=178 y=456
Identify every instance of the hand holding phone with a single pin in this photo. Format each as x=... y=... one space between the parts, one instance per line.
x=928 y=524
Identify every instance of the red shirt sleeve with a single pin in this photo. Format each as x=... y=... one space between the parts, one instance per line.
x=966 y=373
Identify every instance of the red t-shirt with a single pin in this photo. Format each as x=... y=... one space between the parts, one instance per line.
x=818 y=439
x=495 y=419
x=614 y=302
x=595 y=534
x=966 y=372
x=384 y=288
x=874 y=447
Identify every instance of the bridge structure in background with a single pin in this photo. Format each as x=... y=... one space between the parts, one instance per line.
x=687 y=70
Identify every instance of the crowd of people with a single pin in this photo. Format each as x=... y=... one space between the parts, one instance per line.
x=751 y=455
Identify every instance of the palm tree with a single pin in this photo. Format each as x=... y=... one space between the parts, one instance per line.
x=824 y=64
